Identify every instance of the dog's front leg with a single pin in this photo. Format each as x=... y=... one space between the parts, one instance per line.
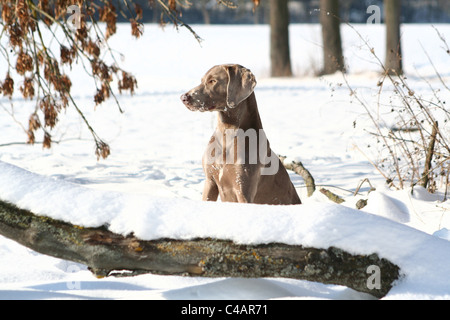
x=210 y=190
x=245 y=183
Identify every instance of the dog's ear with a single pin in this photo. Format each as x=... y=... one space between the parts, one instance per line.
x=241 y=83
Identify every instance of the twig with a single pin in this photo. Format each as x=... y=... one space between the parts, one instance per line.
x=175 y=20
x=360 y=185
x=447 y=182
x=443 y=40
x=11 y=114
x=388 y=180
x=388 y=146
x=425 y=176
x=434 y=67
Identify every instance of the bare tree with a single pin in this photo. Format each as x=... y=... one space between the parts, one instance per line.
x=279 y=39
x=331 y=36
x=393 y=63
x=205 y=11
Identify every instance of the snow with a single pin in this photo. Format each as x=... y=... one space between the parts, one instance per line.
x=152 y=182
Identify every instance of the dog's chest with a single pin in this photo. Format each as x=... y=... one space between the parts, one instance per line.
x=224 y=148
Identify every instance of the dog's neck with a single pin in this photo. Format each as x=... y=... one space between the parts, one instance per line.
x=244 y=116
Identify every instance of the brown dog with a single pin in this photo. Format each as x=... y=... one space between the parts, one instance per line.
x=236 y=170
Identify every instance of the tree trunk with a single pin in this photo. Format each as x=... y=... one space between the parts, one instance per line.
x=331 y=37
x=279 y=39
x=393 y=63
x=205 y=12
x=106 y=254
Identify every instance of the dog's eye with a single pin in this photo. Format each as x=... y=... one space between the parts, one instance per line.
x=212 y=81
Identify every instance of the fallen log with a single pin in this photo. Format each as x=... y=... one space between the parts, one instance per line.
x=109 y=254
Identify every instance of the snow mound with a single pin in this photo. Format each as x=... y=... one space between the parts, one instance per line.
x=383 y=205
x=444 y=233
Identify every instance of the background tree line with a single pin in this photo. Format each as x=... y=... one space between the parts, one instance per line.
x=300 y=11
x=329 y=13
x=330 y=18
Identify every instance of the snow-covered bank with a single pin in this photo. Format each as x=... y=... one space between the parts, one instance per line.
x=424 y=259
x=151 y=184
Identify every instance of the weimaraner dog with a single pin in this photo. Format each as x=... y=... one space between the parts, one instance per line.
x=238 y=163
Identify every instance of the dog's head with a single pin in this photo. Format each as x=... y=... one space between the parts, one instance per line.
x=223 y=87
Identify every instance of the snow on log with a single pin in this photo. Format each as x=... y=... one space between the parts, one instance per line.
x=106 y=254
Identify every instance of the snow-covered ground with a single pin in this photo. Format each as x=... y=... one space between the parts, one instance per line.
x=151 y=184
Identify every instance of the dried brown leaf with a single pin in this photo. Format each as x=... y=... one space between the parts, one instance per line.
x=8 y=86
x=27 y=88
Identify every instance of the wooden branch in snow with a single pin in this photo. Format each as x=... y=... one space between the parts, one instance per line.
x=106 y=254
x=332 y=196
x=299 y=169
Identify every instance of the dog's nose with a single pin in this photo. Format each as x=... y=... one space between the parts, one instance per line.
x=185 y=98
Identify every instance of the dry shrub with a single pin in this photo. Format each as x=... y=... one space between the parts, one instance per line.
x=411 y=131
